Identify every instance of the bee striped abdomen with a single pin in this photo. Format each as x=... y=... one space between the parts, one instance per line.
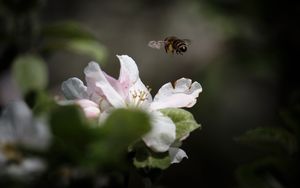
x=177 y=43
x=180 y=44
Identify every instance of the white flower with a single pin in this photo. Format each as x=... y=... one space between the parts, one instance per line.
x=18 y=127
x=106 y=93
x=26 y=169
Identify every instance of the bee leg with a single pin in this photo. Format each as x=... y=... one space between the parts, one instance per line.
x=167 y=49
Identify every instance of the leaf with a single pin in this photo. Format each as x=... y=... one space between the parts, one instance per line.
x=72 y=37
x=87 y=47
x=71 y=133
x=145 y=158
x=121 y=129
x=184 y=121
x=127 y=125
x=260 y=173
x=66 y=30
x=91 y=48
x=30 y=72
x=291 y=119
x=44 y=103
x=270 y=139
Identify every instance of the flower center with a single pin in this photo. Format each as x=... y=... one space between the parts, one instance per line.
x=11 y=153
x=138 y=97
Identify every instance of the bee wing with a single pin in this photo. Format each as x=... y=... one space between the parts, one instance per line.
x=156 y=44
x=187 y=41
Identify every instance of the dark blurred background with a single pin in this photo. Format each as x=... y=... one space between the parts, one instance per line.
x=244 y=54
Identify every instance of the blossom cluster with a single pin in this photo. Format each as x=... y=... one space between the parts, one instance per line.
x=103 y=93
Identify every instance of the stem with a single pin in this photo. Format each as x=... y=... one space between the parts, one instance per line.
x=126 y=180
x=147 y=182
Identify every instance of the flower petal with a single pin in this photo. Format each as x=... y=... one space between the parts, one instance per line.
x=129 y=72
x=90 y=108
x=162 y=134
x=97 y=83
x=73 y=88
x=27 y=168
x=117 y=86
x=176 y=155
x=183 y=94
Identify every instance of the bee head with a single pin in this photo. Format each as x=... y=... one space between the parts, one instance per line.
x=183 y=48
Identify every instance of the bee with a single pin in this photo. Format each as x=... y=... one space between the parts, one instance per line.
x=171 y=44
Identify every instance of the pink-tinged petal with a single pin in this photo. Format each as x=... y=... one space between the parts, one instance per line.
x=183 y=94
x=84 y=103
x=117 y=86
x=90 y=108
x=97 y=82
x=129 y=72
x=91 y=112
x=176 y=155
x=94 y=93
x=162 y=134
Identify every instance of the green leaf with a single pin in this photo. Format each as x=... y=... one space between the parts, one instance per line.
x=121 y=129
x=72 y=37
x=30 y=72
x=87 y=47
x=72 y=133
x=270 y=139
x=291 y=120
x=260 y=173
x=145 y=158
x=184 y=121
x=125 y=126
x=66 y=30
x=44 y=103
x=90 y=48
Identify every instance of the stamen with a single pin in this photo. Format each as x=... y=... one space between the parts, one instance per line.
x=139 y=97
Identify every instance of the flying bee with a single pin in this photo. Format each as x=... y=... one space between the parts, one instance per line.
x=171 y=44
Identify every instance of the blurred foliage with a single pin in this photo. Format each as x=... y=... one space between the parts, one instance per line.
x=31 y=73
x=147 y=159
x=270 y=139
x=70 y=36
x=278 y=165
x=66 y=30
x=21 y=32
x=83 y=142
x=82 y=151
x=121 y=129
